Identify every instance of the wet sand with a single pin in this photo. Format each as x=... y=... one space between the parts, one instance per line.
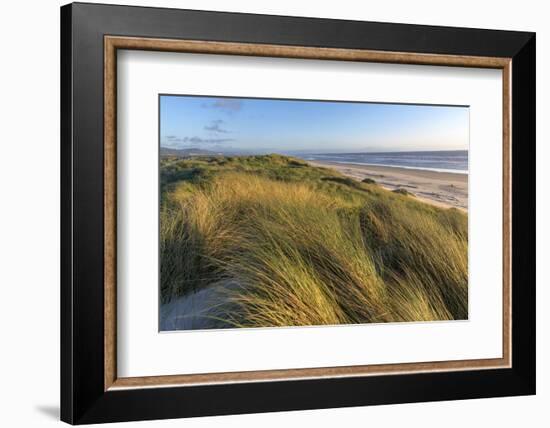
x=443 y=189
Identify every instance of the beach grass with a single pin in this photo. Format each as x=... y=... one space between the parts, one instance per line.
x=304 y=245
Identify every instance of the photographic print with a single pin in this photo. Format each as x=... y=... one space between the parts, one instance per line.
x=219 y=192
x=284 y=213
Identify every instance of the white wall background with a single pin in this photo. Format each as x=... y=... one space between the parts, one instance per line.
x=29 y=214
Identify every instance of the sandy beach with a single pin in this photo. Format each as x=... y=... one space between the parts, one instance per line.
x=443 y=189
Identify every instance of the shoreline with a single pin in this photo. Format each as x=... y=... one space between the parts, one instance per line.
x=344 y=163
x=442 y=189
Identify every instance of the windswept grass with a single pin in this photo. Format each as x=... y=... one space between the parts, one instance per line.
x=307 y=246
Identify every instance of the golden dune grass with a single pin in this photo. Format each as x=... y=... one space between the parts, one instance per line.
x=312 y=251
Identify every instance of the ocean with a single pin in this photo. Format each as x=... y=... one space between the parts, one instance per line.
x=442 y=161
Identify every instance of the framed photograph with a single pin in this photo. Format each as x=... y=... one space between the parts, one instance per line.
x=266 y=213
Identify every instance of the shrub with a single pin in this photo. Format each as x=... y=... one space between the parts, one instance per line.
x=401 y=191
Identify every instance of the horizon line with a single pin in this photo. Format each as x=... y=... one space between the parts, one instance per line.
x=313 y=151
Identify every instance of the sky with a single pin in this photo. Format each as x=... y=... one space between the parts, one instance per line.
x=286 y=126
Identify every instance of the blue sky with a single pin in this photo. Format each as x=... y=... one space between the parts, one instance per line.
x=271 y=125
